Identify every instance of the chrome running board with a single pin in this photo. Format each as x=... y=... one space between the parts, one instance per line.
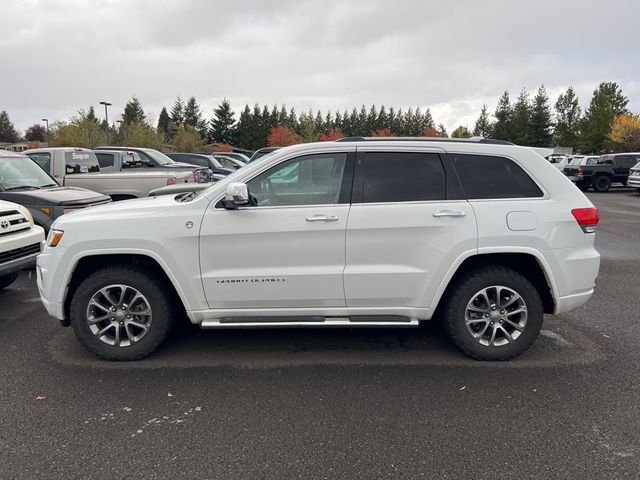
x=312 y=322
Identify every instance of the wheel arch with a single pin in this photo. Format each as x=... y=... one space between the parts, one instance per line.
x=87 y=264
x=530 y=264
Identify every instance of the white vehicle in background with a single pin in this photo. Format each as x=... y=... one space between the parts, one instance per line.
x=20 y=241
x=353 y=233
x=634 y=177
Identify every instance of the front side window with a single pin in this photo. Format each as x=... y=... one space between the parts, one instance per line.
x=485 y=176
x=402 y=177
x=309 y=180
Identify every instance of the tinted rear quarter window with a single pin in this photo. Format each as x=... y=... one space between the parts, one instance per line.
x=402 y=177
x=485 y=176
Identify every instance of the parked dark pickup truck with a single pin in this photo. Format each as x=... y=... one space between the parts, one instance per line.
x=610 y=169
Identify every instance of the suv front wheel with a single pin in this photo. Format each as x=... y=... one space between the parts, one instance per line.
x=493 y=313
x=121 y=313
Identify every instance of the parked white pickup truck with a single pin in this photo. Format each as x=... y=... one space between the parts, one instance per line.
x=79 y=167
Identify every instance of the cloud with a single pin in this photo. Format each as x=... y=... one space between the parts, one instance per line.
x=63 y=55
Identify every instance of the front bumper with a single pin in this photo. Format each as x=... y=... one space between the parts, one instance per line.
x=44 y=270
x=26 y=247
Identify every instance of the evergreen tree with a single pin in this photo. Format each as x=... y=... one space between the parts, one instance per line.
x=520 y=120
x=177 y=112
x=245 y=130
x=133 y=112
x=502 y=128
x=442 y=131
x=193 y=117
x=8 y=132
x=540 y=121
x=607 y=102
x=91 y=115
x=483 y=127
x=568 y=113
x=223 y=123
x=164 y=123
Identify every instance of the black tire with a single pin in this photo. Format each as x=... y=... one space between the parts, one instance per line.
x=163 y=312
x=464 y=292
x=602 y=183
x=6 y=280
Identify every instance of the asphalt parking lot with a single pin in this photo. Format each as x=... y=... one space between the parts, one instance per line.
x=335 y=404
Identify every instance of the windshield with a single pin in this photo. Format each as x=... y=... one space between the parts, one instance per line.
x=159 y=157
x=575 y=161
x=16 y=173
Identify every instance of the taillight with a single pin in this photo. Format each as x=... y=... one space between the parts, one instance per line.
x=580 y=171
x=171 y=181
x=587 y=218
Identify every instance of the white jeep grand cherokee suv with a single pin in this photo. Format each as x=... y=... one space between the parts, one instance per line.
x=354 y=233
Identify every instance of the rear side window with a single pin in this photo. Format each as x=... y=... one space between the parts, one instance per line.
x=402 y=177
x=105 y=159
x=484 y=176
x=80 y=162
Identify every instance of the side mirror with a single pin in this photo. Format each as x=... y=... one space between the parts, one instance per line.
x=236 y=195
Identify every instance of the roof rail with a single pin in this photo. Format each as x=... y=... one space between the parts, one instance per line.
x=492 y=141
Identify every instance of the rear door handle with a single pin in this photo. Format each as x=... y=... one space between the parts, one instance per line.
x=449 y=213
x=322 y=218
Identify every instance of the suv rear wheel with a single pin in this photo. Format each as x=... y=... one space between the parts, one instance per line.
x=494 y=313
x=121 y=313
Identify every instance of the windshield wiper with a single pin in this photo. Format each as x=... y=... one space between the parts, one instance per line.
x=22 y=187
x=50 y=185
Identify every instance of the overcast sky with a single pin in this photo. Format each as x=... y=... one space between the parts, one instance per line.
x=62 y=55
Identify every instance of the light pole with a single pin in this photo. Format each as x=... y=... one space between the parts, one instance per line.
x=124 y=131
x=46 y=121
x=106 y=119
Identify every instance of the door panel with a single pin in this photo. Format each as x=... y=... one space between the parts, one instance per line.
x=288 y=248
x=397 y=254
x=273 y=257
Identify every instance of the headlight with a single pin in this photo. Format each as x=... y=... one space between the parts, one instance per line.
x=26 y=213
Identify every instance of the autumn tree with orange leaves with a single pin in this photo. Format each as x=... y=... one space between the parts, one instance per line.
x=331 y=135
x=282 y=136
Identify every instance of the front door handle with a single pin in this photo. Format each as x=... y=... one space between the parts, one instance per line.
x=322 y=218
x=449 y=213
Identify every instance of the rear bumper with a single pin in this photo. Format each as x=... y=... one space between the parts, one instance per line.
x=576 y=270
